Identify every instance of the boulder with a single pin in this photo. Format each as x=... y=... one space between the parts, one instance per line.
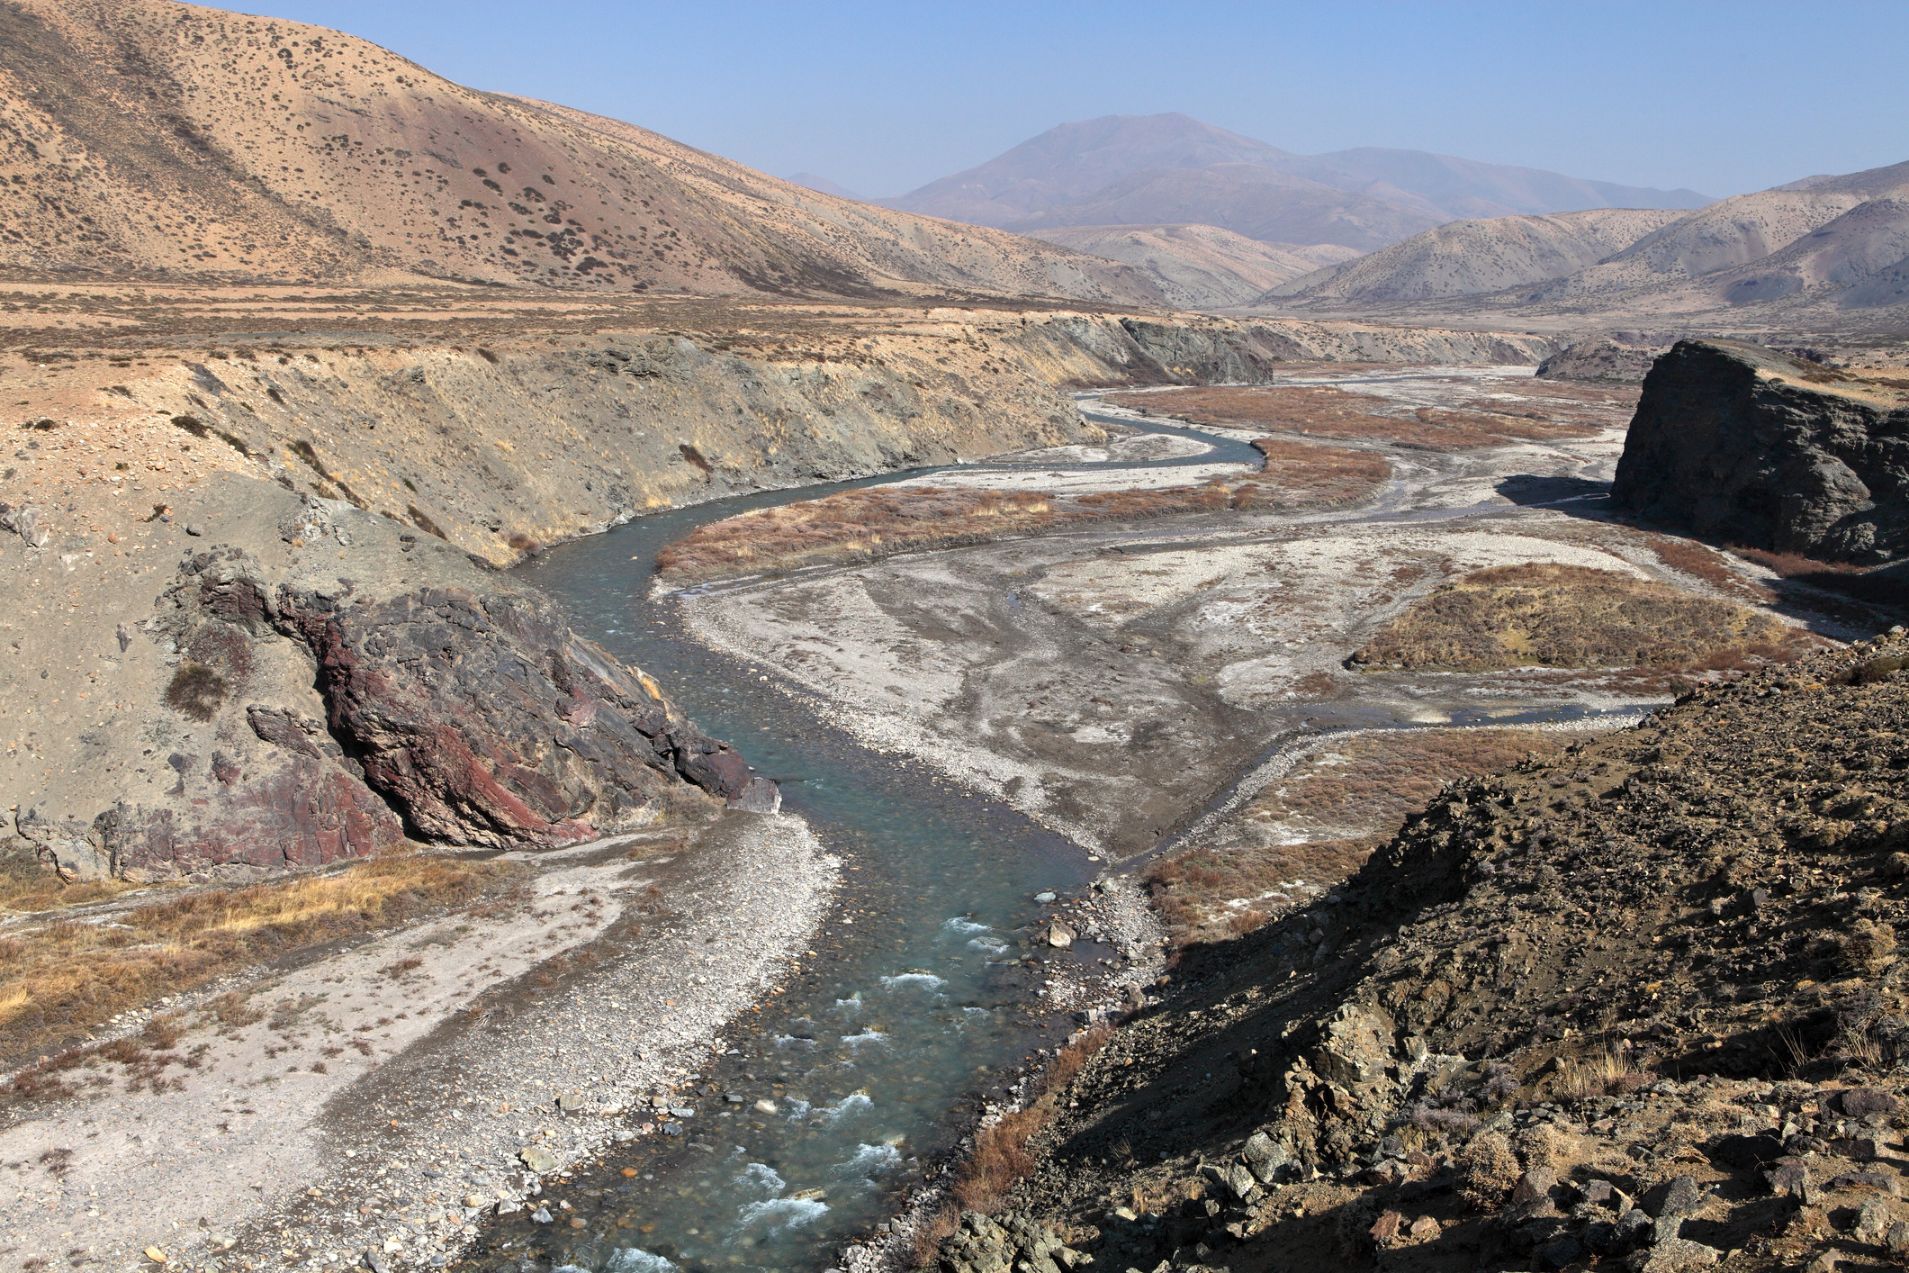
x=1740 y=445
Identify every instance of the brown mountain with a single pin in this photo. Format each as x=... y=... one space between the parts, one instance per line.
x=1837 y=246
x=1468 y=257
x=1200 y=266
x=1152 y=169
x=149 y=139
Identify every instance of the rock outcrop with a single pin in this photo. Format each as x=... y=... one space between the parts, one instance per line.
x=1740 y=445
x=1641 y=1005
x=279 y=713
x=1606 y=359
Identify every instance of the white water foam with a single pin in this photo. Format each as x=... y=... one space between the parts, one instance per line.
x=632 y=1259
x=762 y=1176
x=962 y=926
x=870 y=1035
x=853 y=1103
x=989 y=945
x=870 y=1160
x=779 y=1215
x=851 y=1006
x=923 y=980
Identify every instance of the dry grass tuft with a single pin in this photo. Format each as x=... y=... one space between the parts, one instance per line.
x=27 y=885
x=1323 y=411
x=1601 y=1073
x=1549 y=615
x=64 y=979
x=877 y=522
x=1318 y=824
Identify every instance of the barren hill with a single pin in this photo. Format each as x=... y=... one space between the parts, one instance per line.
x=1144 y=170
x=1836 y=247
x=149 y=139
x=1468 y=257
x=1200 y=266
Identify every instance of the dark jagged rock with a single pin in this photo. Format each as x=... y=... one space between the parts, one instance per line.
x=485 y=720
x=1610 y=360
x=450 y=715
x=1740 y=445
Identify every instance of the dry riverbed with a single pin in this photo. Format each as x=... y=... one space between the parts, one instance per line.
x=369 y=1106
x=1115 y=680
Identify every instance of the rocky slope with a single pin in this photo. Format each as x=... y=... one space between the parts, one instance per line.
x=1199 y=266
x=1740 y=445
x=1465 y=258
x=1637 y=1005
x=156 y=140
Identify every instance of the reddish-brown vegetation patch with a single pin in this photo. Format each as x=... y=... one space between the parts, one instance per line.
x=875 y=522
x=60 y=981
x=1544 y=614
x=1315 y=826
x=1327 y=412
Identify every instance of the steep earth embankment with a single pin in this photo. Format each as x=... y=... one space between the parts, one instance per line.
x=1740 y=445
x=1641 y=1003
x=239 y=637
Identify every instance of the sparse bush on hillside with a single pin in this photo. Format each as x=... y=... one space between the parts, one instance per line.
x=196 y=690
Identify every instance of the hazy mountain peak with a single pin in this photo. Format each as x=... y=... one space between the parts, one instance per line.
x=1154 y=169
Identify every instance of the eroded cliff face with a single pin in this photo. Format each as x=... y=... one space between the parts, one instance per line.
x=1741 y=445
x=322 y=684
x=256 y=619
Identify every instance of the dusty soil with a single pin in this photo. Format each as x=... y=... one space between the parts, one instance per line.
x=383 y=1096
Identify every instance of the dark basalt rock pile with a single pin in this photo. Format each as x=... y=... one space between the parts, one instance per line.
x=1641 y=1006
x=1743 y=446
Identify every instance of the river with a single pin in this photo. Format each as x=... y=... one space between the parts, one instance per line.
x=920 y=1001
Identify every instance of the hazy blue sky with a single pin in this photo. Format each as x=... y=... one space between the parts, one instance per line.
x=1722 y=97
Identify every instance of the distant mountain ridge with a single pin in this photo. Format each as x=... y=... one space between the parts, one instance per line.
x=1160 y=169
x=1836 y=242
x=1200 y=266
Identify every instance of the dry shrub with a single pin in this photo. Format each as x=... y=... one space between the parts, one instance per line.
x=196 y=690
x=64 y=979
x=999 y=1161
x=1543 y=614
x=1487 y=1171
x=1790 y=565
x=925 y=1242
x=1700 y=562
x=1001 y=1157
x=1328 y=412
x=877 y=522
